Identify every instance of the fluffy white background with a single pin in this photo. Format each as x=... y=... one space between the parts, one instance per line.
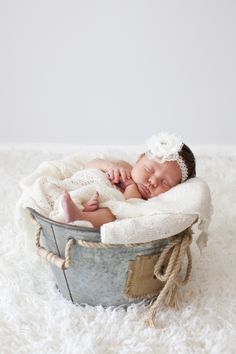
x=35 y=318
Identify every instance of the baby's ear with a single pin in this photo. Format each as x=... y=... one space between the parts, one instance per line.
x=140 y=157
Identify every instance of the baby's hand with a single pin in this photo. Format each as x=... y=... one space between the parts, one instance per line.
x=124 y=184
x=117 y=173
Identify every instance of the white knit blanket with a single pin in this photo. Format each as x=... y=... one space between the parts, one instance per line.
x=137 y=220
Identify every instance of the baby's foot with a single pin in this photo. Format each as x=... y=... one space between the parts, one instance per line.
x=92 y=204
x=72 y=212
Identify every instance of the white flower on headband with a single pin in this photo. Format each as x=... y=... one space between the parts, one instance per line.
x=163 y=147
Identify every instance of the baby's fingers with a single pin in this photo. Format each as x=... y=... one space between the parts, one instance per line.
x=110 y=175
x=113 y=175
x=124 y=175
x=128 y=174
x=116 y=176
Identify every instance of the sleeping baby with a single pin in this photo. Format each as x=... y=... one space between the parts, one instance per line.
x=166 y=162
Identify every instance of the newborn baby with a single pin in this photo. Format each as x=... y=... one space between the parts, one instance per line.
x=166 y=162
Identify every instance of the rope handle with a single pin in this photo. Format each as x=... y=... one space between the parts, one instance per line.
x=169 y=293
x=51 y=257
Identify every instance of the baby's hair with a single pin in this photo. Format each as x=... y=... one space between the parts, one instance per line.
x=188 y=157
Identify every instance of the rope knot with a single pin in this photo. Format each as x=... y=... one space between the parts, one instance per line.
x=171 y=255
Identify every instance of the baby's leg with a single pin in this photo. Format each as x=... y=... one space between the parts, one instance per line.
x=72 y=213
x=98 y=217
x=92 y=204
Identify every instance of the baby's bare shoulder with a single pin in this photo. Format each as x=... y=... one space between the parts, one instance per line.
x=124 y=163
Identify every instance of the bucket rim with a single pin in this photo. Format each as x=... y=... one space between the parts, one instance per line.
x=62 y=224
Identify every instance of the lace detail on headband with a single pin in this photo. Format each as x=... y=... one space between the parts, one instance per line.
x=183 y=168
x=165 y=147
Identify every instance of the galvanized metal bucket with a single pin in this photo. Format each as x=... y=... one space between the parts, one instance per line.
x=98 y=274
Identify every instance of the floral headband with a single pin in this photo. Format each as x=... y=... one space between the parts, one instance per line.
x=165 y=147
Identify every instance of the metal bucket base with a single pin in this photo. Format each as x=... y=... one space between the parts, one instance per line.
x=101 y=276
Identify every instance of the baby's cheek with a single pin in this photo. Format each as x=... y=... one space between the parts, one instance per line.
x=162 y=189
x=165 y=189
x=156 y=192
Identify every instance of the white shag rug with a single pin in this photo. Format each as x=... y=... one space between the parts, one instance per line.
x=35 y=318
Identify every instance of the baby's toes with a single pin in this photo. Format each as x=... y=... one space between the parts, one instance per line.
x=96 y=196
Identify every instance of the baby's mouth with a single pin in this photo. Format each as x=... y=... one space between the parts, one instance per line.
x=144 y=191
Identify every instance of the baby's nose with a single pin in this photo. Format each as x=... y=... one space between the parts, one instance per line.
x=153 y=182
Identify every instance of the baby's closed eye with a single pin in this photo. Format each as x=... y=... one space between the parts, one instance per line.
x=166 y=183
x=148 y=169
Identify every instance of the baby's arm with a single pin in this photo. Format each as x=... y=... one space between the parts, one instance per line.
x=129 y=189
x=116 y=171
x=132 y=191
x=99 y=164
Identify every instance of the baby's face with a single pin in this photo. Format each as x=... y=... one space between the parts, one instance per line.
x=154 y=178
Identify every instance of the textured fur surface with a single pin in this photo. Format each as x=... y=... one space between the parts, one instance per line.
x=35 y=318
